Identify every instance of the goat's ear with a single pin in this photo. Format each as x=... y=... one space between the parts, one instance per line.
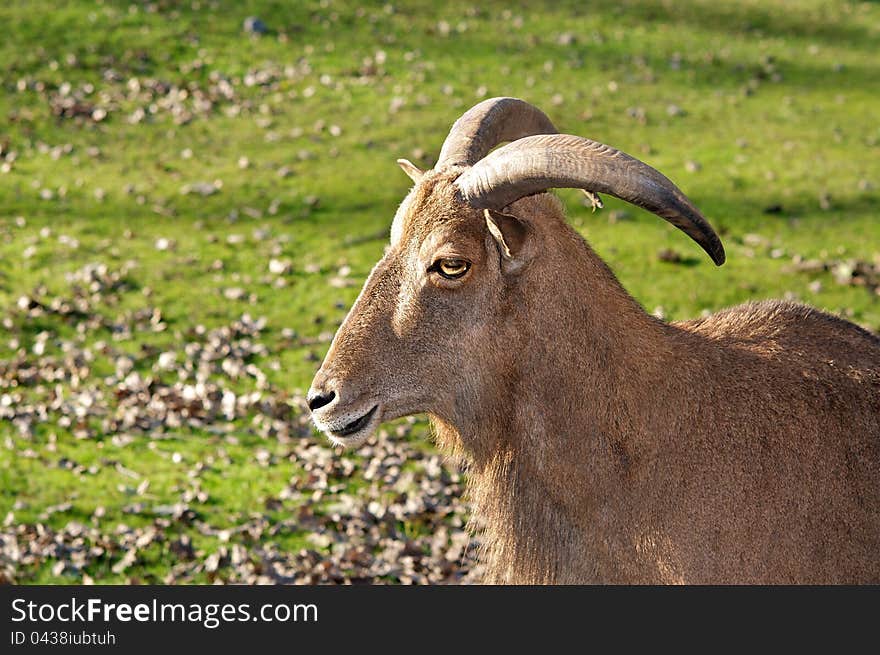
x=512 y=237
x=414 y=172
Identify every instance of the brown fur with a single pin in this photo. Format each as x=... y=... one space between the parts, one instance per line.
x=603 y=444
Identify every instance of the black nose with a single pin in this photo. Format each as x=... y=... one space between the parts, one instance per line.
x=318 y=399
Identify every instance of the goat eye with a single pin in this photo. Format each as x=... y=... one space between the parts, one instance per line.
x=451 y=269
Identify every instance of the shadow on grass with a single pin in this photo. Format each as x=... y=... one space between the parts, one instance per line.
x=709 y=73
x=774 y=22
x=732 y=208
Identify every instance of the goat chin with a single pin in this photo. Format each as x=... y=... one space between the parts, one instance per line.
x=350 y=442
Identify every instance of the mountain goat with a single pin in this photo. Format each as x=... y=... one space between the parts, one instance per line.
x=603 y=444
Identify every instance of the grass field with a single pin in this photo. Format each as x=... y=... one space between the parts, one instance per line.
x=187 y=210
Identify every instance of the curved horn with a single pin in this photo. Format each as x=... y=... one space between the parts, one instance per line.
x=485 y=125
x=537 y=163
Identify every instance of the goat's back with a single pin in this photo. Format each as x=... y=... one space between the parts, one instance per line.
x=791 y=456
x=799 y=330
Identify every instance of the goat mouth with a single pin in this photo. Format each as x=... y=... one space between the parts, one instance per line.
x=355 y=426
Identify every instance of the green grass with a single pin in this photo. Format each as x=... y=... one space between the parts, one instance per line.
x=779 y=105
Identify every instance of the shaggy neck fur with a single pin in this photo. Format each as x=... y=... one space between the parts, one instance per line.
x=544 y=487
